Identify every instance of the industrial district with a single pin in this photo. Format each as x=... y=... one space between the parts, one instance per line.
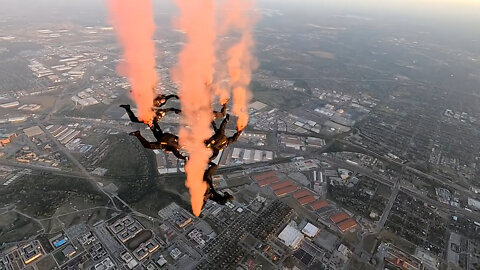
x=324 y=176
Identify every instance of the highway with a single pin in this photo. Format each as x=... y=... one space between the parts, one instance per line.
x=414 y=193
x=388 y=207
x=82 y=169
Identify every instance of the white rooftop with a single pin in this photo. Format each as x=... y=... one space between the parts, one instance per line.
x=291 y=236
x=310 y=230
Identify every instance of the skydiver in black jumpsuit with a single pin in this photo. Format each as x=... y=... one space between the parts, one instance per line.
x=159 y=113
x=160 y=100
x=165 y=141
x=211 y=193
x=219 y=140
x=222 y=113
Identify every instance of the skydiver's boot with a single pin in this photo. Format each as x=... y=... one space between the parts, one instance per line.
x=135 y=133
x=228 y=196
x=130 y=114
x=224 y=108
x=177 y=154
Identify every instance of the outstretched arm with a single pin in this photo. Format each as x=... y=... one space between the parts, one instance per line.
x=176 y=111
x=234 y=137
x=177 y=154
x=171 y=96
x=221 y=113
x=162 y=112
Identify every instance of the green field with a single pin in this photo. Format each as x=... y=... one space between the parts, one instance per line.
x=15 y=227
x=130 y=167
x=41 y=196
x=47 y=263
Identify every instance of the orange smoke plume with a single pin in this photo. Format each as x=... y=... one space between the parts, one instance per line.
x=222 y=93
x=196 y=66
x=134 y=25
x=240 y=16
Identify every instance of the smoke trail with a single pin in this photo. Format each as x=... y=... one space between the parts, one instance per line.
x=134 y=25
x=221 y=90
x=240 y=16
x=195 y=71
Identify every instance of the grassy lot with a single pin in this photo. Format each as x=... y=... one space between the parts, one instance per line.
x=41 y=196
x=131 y=167
x=15 y=227
x=47 y=263
x=401 y=243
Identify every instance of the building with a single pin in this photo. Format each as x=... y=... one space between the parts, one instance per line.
x=247 y=154
x=69 y=251
x=236 y=153
x=267 y=181
x=291 y=236
x=310 y=230
x=401 y=259
x=337 y=218
x=319 y=205
x=257 y=105
x=9 y=105
x=284 y=191
x=59 y=240
x=17 y=119
x=182 y=220
x=175 y=253
x=315 y=142
x=306 y=200
x=292 y=142
x=474 y=204
x=257 y=155
x=31 y=252
x=265 y=175
x=161 y=261
x=197 y=236
x=282 y=184
x=33 y=131
x=7 y=138
x=302 y=193
x=347 y=225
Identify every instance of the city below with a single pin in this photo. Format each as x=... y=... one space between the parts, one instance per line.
x=360 y=153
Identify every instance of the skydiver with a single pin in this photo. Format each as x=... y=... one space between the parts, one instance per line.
x=160 y=113
x=160 y=100
x=165 y=141
x=219 y=140
x=211 y=193
x=222 y=113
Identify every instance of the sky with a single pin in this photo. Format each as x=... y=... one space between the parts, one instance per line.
x=450 y=16
x=441 y=9
x=438 y=9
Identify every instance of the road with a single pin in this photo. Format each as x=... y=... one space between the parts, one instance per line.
x=408 y=190
x=82 y=169
x=436 y=178
x=388 y=207
x=52 y=170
